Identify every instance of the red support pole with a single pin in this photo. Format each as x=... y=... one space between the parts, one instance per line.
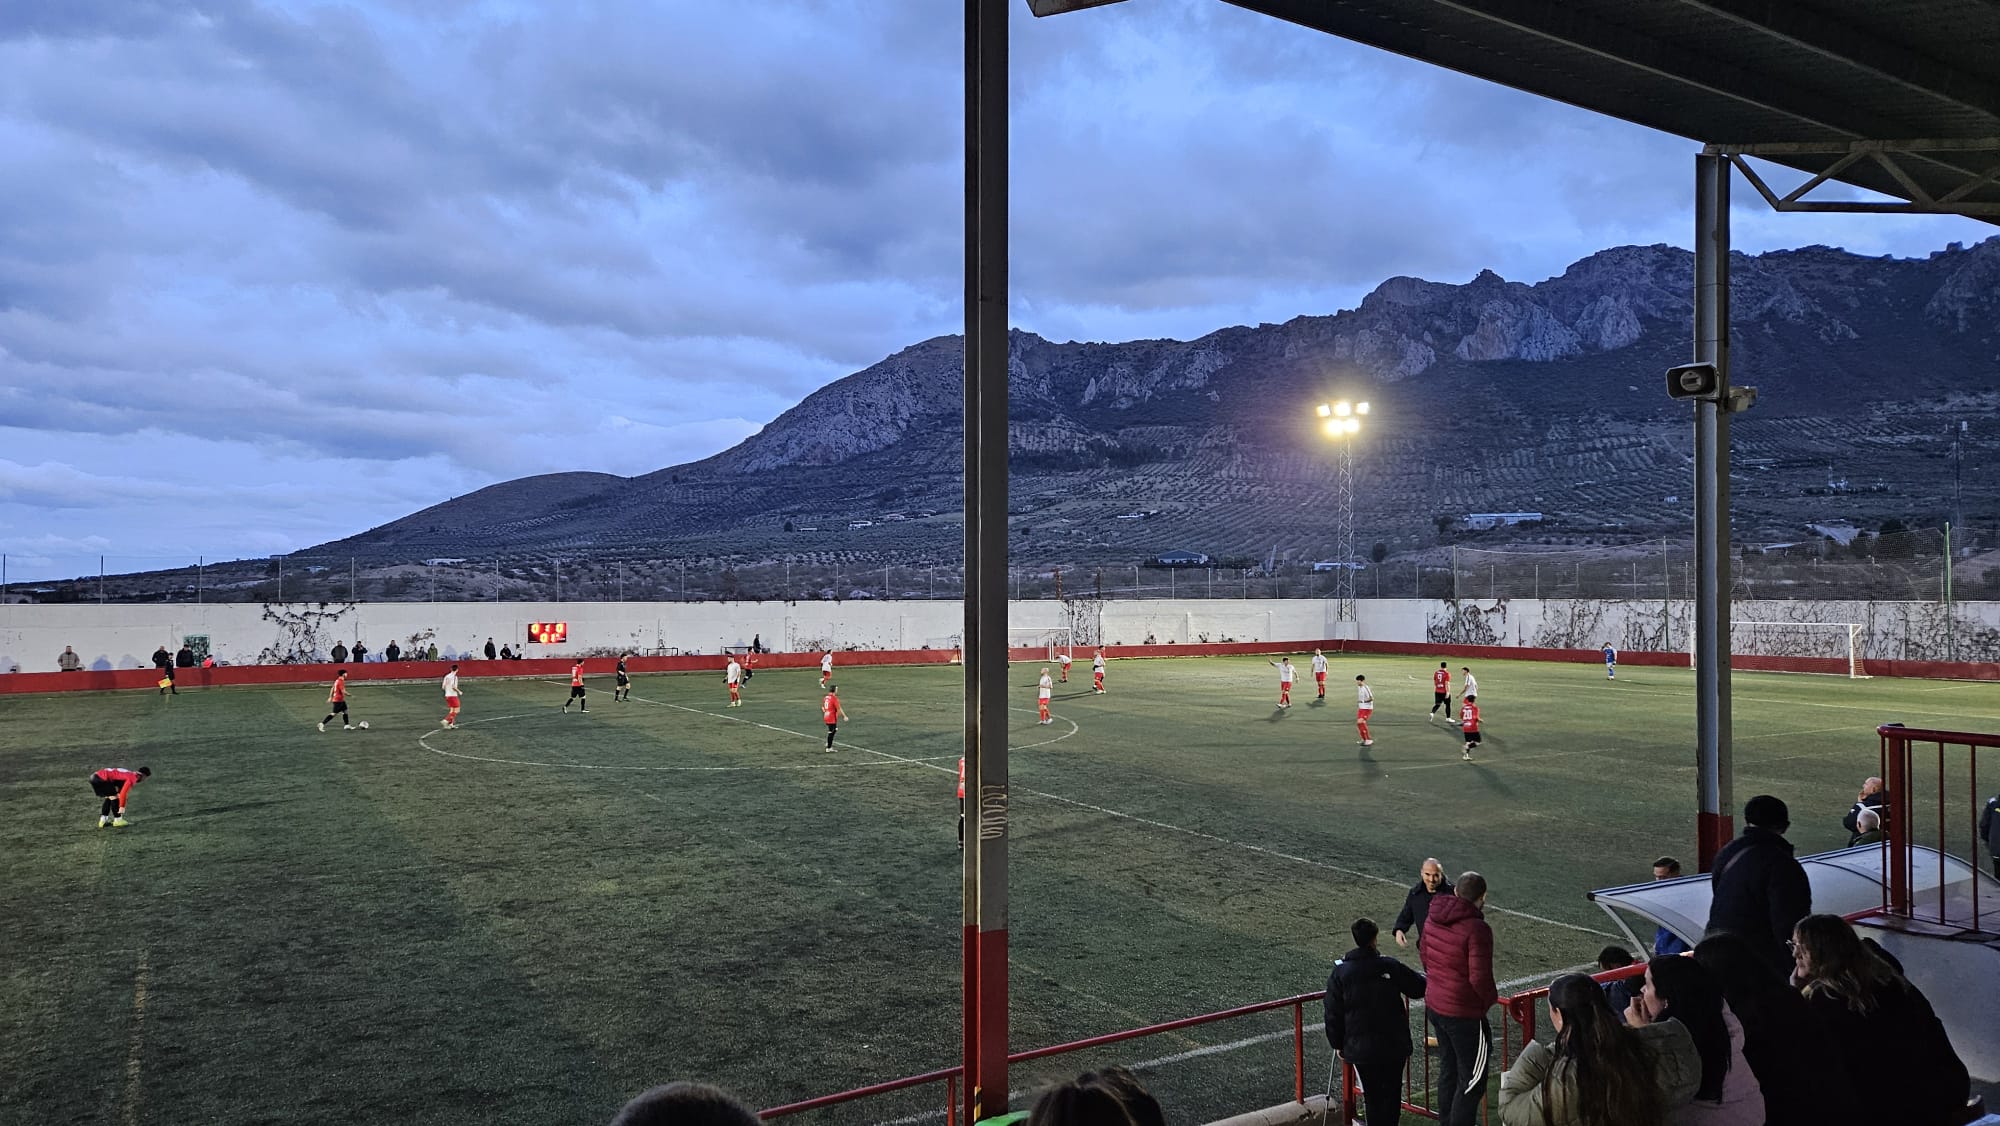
x=1896 y=754
x=1299 y=1052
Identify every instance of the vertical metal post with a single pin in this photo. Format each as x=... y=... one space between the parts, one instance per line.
x=350 y=578
x=984 y=902
x=1343 y=551
x=1714 y=762
x=201 y=573
x=100 y=580
x=1950 y=616
x=281 y=578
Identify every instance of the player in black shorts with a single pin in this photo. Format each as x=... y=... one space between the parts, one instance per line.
x=623 y=689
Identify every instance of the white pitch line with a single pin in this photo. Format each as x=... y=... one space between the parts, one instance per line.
x=424 y=741
x=136 y=1042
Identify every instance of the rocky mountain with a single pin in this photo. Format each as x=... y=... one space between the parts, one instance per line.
x=1488 y=396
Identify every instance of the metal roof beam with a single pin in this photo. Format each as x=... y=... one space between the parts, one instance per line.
x=1887 y=154
x=1840 y=43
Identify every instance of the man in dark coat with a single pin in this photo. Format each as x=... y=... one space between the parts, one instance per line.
x=1989 y=831
x=1760 y=888
x=1417 y=904
x=162 y=659
x=1873 y=796
x=492 y=654
x=1368 y=1020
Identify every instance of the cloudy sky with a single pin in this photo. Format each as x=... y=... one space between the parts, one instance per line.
x=272 y=273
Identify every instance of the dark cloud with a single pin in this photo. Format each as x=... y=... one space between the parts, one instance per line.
x=425 y=245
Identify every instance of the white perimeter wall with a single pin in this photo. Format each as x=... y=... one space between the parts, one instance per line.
x=124 y=636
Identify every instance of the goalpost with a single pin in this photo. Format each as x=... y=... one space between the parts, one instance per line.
x=1052 y=640
x=1836 y=640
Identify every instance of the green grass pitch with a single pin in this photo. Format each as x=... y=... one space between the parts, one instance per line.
x=538 y=915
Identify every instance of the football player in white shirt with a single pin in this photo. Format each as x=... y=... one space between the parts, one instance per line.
x=1285 y=676
x=1471 y=688
x=1364 y=705
x=451 y=698
x=733 y=676
x=1097 y=673
x=1042 y=689
x=826 y=670
x=1065 y=666
x=1319 y=672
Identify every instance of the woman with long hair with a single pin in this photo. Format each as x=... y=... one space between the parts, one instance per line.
x=1598 y=1072
x=1787 y=1049
x=1678 y=989
x=1881 y=1026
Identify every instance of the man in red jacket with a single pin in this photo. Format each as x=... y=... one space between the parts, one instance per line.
x=114 y=785
x=1457 y=948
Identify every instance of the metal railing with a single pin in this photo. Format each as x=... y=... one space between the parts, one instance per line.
x=1911 y=822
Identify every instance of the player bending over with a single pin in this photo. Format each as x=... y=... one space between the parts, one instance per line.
x=1364 y=706
x=1042 y=689
x=114 y=784
x=622 y=689
x=336 y=699
x=831 y=711
x=576 y=689
x=451 y=698
x=1319 y=673
x=1065 y=659
x=1441 y=691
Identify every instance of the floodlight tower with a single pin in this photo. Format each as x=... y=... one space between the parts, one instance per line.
x=1341 y=421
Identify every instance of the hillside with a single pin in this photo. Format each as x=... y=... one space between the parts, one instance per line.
x=1490 y=395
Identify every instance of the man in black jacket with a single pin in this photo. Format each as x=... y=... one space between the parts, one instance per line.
x=1760 y=888
x=1417 y=904
x=1989 y=831
x=1368 y=1021
x=1872 y=796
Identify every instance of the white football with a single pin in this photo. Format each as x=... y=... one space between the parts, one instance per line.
x=364 y=725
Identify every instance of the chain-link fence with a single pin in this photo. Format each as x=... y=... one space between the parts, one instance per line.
x=1892 y=563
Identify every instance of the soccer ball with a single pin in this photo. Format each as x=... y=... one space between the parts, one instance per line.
x=364 y=725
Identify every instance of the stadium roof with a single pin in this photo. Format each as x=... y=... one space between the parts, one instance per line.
x=1900 y=97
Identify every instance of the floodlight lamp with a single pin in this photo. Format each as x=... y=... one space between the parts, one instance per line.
x=1353 y=425
x=1361 y=408
x=1333 y=428
x=1325 y=411
x=1343 y=408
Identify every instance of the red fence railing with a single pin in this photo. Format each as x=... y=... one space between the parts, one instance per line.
x=1958 y=810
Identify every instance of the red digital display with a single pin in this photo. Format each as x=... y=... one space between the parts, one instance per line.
x=548 y=633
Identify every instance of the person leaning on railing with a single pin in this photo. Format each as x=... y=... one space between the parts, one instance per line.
x=1368 y=1020
x=1598 y=1072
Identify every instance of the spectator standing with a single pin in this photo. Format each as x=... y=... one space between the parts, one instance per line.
x=1873 y=796
x=1598 y=1072
x=1786 y=1048
x=1989 y=831
x=1368 y=1020
x=1678 y=989
x=1882 y=1027
x=492 y=654
x=1760 y=889
x=184 y=658
x=339 y=653
x=162 y=659
x=1457 y=949
x=1666 y=944
x=69 y=661
x=392 y=653
x=686 y=1104
x=1867 y=829
x=431 y=654
x=360 y=651
x=1417 y=904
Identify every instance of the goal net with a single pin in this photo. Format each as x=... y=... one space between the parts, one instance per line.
x=1842 y=641
x=1048 y=643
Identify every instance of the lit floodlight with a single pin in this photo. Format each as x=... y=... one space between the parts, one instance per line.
x=1343 y=408
x=1325 y=411
x=1333 y=428
x=1361 y=408
x=1353 y=425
